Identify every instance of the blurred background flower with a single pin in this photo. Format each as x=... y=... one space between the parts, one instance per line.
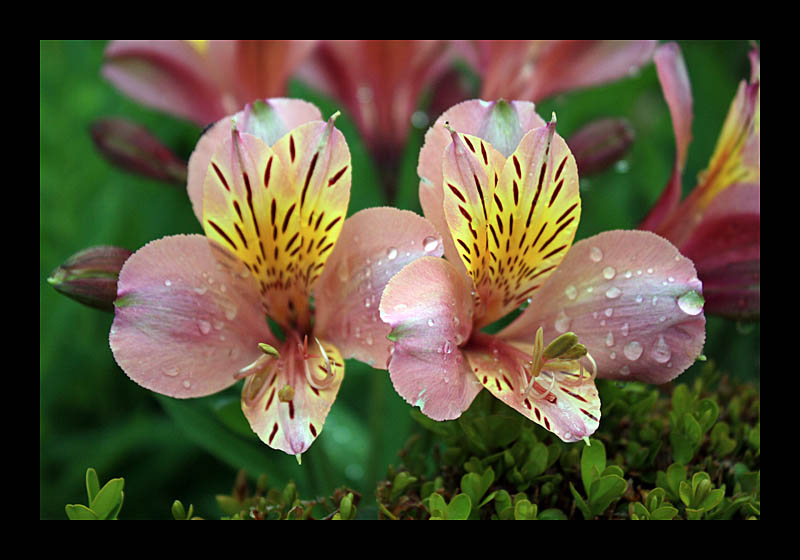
x=91 y=414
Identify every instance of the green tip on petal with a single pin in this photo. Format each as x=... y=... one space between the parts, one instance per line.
x=587 y=440
x=299 y=458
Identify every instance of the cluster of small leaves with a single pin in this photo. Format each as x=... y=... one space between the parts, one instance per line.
x=266 y=503
x=675 y=452
x=104 y=503
x=274 y=504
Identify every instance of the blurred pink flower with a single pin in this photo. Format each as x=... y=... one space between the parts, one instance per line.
x=718 y=225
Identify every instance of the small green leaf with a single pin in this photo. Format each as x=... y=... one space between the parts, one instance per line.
x=604 y=491
x=707 y=414
x=664 y=513
x=460 y=507
x=587 y=513
x=400 y=483
x=92 y=484
x=552 y=514
x=79 y=512
x=525 y=510
x=108 y=501
x=475 y=486
x=593 y=462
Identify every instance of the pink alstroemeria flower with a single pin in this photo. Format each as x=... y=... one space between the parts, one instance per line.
x=502 y=187
x=270 y=186
x=535 y=70
x=379 y=82
x=202 y=81
x=718 y=225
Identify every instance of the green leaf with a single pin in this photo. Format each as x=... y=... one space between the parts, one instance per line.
x=637 y=511
x=685 y=438
x=401 y=481
x=524 y=510
x=587 y=513
x=92 y=484
x=707 y=414
x=664 y=513
x=79 y=512
x=108 y=501
x=552 y=514
x=593 y=462
x=460 y=507
x=604 y=491
x=475 y=486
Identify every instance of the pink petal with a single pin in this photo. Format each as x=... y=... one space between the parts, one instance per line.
x=170 y=76
x=264 y=67
x=632 y=299
x=284 y=115
x=373 y=246
x=571 y=409
x=502 y=124
x=184 y=324
x=537 y=70
x=429 y=307
x=726 y=249
x=290 y=420
x=674 y=80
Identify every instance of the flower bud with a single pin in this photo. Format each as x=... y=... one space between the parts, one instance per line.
x=91 y=275
x=133 y=148
x=600 y=144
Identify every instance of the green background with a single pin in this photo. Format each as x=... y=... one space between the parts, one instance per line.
x=91 y=414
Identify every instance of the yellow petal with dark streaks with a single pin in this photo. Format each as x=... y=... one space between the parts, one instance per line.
x=536 y=215
x=471 y=170
x=317 y=162
x=249 y=209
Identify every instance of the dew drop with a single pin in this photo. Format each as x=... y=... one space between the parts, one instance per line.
x=430 y=322
x=400 y=306
x=691 y=303
x=625 y=328
x=625 y=370
x=230 y=313
x=628 y=274
x=661 y=352
x=609 y=272
x=187 y=383
x=613 y=292
x=649 y=271
x=613 y=355
x=368 y=340
x=639 y=298
x=571 y=292
x=609 y=312
x=430 y=243
x=172 y=372
x=391 y=254
x=596 y=254
x=205 y=326
x=367 y=303
x=633 y=350
x=167 y=283
x=609 y=339
x=562 y=322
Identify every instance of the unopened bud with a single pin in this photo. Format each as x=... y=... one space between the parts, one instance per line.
x=91 y=275
x=133 y=148
x=600 y=144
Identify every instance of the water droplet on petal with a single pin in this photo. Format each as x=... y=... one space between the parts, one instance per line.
x=172 y=372
x=205 y=326
x=400 y=306
x=661 y=352
x=596 y=254
x=609 y=312
x=367 y=303
x=624 y=329
x=571 y=292
x=562 y=322
x=187 y=383
x=430 y=243
x=391 y=254
x=200 y=290
x=368 y=340
x=609 y=272
x=430 y=322
x=609 y=339
x=613 y=292
x=625 y=370
x=691 y=303
x=167 y=283
x=633 y=350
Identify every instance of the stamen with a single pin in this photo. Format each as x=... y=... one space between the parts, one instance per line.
x=329 y=373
